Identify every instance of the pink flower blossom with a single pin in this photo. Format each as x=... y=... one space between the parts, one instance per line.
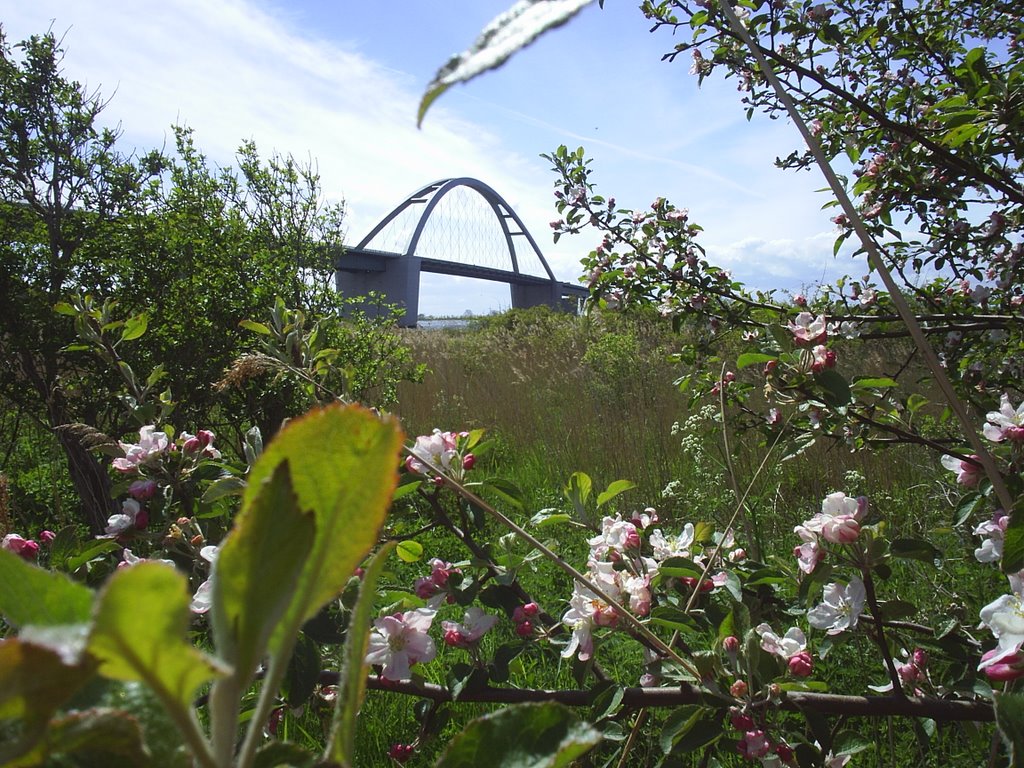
x=475 y=624
x=143 y=490
x=994 y=530
x=821 y=358
x=1006 y=667
x=1005 y=424
x=801 y=664
x=808 y=329
x=842 y=529
x=125 y=520
x=754 y=745
x=810 y=553
x=617 y=536
x=785 y=647
x=437 y=581
x=400 y=641
x=1004 y=617
x=677 y=546
x=968 y=473
x=439 y=448
x=839 y=519
x=27 y=549
x=47 y=536
x=151 y=445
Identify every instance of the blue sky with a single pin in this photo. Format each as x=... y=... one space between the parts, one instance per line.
x=339 y=81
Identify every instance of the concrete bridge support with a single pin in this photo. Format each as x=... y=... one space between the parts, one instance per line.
x=397 y=279
x=526 y=296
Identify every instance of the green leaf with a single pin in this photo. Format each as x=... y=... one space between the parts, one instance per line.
x=507 y=491
x=34 y=681
x=139 y=634
x=851 y=742
x=1010 y=721
x=134 y=327
x=510 y=32
x=880 y=382
x=836 y=390
x=550 y=517
x=229 y=485
x=252 y=325
x=613 y=490
x=63 y=308
x=94 y=737
x=303 y=671
x=577 y=491
x=545 y=735
x=343 y=463
x=258 y=569
x=1013 y=541
x=32 y=595
x=409 y=551
x=915 y=549
x=753 y=358
x=352 y=686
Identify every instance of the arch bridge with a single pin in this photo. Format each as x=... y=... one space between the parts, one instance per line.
x=459 y=227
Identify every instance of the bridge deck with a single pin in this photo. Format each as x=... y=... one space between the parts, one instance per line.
x=369 y=260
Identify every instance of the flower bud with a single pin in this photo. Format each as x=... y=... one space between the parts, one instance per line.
x=197 y=540
x=468 y=461
x=739 y=689
x=47 y=536
x=920 y=657
x=731 y=644
x=741 y=721
x=524 y=629
x=801 y=664
x=142 y=490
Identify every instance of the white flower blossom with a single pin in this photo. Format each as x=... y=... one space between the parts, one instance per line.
x=840 y=607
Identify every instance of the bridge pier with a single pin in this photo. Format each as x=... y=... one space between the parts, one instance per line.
x=397 y=279
x=526 y=296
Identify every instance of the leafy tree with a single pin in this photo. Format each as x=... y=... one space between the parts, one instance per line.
x=186 y=249
x=63 y=188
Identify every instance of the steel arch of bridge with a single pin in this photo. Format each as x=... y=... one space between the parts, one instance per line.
x=363 y=269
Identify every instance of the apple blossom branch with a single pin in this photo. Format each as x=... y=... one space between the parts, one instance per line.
x=794 y=701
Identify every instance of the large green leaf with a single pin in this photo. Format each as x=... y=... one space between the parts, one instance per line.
x=94 y=737
x=1010 y=719
x=344 y=468
x=139 y=634
x=34 y=681
x=257 y=570
x=510 y=32
x=31 y=595
x=522 y=736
